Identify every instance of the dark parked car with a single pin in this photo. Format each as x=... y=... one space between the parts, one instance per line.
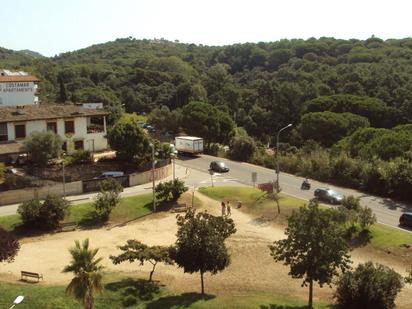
x=219 y=166
x=406 y=219
x=328 y=195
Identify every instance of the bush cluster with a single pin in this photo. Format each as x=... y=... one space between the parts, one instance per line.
x=43 y=215
x=170 y=190
x=386 y=178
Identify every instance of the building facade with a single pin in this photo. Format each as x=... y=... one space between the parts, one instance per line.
x=18 y=88
x=80 y=128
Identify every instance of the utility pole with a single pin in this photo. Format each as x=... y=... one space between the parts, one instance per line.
x=153 y=177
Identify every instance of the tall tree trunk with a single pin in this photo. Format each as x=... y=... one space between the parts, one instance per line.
x=310 y=305
x=201 y=281
x=88 y=304
x=151 y=273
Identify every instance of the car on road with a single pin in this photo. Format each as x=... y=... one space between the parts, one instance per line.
x=219 y=166
x=328 y=195
x=406 y=219
x=16 y=171
x=109 y=174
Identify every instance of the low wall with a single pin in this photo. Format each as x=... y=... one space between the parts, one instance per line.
x=145 y=177
x=23 y=195
x=74 y=188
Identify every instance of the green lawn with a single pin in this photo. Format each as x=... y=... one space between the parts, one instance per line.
x=146 y=295
x=129 y=208
x=253 y=199
x=383 y=237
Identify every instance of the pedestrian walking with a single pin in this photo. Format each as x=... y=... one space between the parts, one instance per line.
x=223 y=209
x=228 y=208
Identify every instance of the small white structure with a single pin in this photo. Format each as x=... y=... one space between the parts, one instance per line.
x=80 y=128
x=17 y=88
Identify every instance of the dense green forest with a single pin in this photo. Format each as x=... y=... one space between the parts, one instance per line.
x=351 y=97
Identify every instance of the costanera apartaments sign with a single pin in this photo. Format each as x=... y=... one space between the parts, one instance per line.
x=16 y=87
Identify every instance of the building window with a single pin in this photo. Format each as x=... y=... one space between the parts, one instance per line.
x=78 y=145
x=95 y=124
x=52 y=126
x=69 y=127
x=20 y=130
x=3 y=132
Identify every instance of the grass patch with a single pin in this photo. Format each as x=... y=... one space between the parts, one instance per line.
x=129 y=208
x=10 y=222
x=256 y=202
x=385 y=237
x=146 y=295
x=253 y=199
x=382 y=237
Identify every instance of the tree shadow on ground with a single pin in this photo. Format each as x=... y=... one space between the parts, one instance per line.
x=91 y=220
x=139 y=288
x=182 y=300
x=274 y=306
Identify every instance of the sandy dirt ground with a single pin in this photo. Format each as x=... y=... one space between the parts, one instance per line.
x=252 y=267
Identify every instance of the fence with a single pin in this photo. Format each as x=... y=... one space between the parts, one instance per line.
x=79 y=187
x=92 y=185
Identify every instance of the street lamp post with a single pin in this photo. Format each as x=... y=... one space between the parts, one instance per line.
x=174 y=154
x=17 y=301
x=277 y=159
x=153 y=176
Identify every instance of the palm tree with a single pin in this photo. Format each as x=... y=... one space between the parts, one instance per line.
x=87 y=271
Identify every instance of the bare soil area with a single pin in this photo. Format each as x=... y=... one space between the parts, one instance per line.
x=252 y=267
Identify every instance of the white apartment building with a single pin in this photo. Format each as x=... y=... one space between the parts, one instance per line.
x=80 y=128
x=17 y=88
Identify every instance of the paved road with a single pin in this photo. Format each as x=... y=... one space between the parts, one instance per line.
x=387 y=211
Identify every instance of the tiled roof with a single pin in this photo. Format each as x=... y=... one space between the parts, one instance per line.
x=42 y=112
x=10 y=148
x=18 y=78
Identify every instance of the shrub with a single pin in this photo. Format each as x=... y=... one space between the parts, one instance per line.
x=170 y=190
x=79 y=156
x=9 y=246
x=108 y=197
x=13 y=182
x=105 y=202
x=129 y=300
x=111 y=184
x=366 y=217
x=368 y=287
x=29 y=212
x=46 y=215
x=242 y=148
x=43 y=146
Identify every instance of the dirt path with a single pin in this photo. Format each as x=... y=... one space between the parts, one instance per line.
x=252 y=267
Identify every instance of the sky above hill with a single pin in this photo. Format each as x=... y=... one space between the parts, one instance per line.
x=52 y=27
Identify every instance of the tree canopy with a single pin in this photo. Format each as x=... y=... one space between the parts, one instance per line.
x=200 y=243
x=314 y=247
